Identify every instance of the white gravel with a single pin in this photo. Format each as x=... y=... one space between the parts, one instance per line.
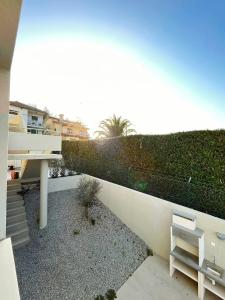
x=57 y=264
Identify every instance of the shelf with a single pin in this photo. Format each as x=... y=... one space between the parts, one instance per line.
x=190 y=236
x=197 y=233
x=186 y=258
x=188 y=271
x=216 y=289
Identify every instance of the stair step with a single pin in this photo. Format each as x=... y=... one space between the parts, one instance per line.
x=19 y=233
x=21 y=242
x=14 y=198
x=16 y=226
x=15 y=204
x=13 y=181
x=13 y=192
x=15 y=211
x=16 y=219
x=14 y=186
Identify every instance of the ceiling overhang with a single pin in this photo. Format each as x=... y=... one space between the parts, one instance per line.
x=9 y=19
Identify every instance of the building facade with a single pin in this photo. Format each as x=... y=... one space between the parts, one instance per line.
x=26 y=118
x=69 y=130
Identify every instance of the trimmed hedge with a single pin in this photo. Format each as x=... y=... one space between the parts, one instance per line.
x=187 y=168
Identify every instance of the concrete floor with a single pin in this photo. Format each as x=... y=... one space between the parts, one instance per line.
x=151 y=281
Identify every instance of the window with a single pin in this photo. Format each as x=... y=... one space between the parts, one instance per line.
x=34 y=118
x=69 y=131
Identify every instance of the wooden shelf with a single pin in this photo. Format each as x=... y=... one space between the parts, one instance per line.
x=185 y=269
x=217 y=289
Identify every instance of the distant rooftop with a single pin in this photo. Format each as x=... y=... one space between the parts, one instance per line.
x=26 y=106
x=66 y=121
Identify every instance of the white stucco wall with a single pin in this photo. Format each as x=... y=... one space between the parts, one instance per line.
x=150 y=217
x=4 y=111
x=9 y=289
x=34 y=142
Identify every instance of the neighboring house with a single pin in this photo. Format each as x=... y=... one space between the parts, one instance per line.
x=26 y=118
x=70 y=130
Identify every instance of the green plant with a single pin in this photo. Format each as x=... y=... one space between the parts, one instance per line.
x=87 y=193
x=110 y=295
x=113 y=127
x=76 y=231
x=62 y=171
x=99 y=297
x=149 y=252
x=166 y=162
x=54 y=168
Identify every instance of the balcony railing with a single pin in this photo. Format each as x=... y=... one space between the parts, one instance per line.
x=34 y=130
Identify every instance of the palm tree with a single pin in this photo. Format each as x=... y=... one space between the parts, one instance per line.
x=115 y=126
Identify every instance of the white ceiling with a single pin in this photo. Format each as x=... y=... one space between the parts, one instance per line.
x=9 y=18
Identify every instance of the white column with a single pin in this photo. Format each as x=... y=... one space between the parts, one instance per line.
x=4 y=111
x=44 y=194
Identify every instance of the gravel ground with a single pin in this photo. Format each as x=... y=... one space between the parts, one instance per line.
x=57 y=264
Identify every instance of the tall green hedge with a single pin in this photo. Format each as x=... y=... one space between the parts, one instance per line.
x=187 y=168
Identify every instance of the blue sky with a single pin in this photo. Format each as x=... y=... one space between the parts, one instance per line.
x=182 y=41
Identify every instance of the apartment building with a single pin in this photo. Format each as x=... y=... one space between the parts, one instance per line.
x=26 y=118
x=69 y=130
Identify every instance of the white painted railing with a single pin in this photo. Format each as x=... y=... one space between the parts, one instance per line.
x=33 y=130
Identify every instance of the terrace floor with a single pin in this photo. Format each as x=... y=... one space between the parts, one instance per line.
x=151 y=281
x=57 y=264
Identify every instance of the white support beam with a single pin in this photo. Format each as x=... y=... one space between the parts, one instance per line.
x=44 y=194
x=4 y=111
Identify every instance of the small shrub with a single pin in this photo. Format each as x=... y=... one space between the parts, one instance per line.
x=149 y=252
x=110 y=295
x=76 y=231
x=54 y=168
x=93 y=221
x=87 y=193
x=63 y=171
x=99 y=297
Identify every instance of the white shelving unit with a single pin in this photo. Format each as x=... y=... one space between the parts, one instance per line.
x=183 y=260
x=193 y=265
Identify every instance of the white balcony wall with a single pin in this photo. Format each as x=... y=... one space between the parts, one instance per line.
x=150 y=217
x=9 y=289
x=33 y=142
x=4 y=110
